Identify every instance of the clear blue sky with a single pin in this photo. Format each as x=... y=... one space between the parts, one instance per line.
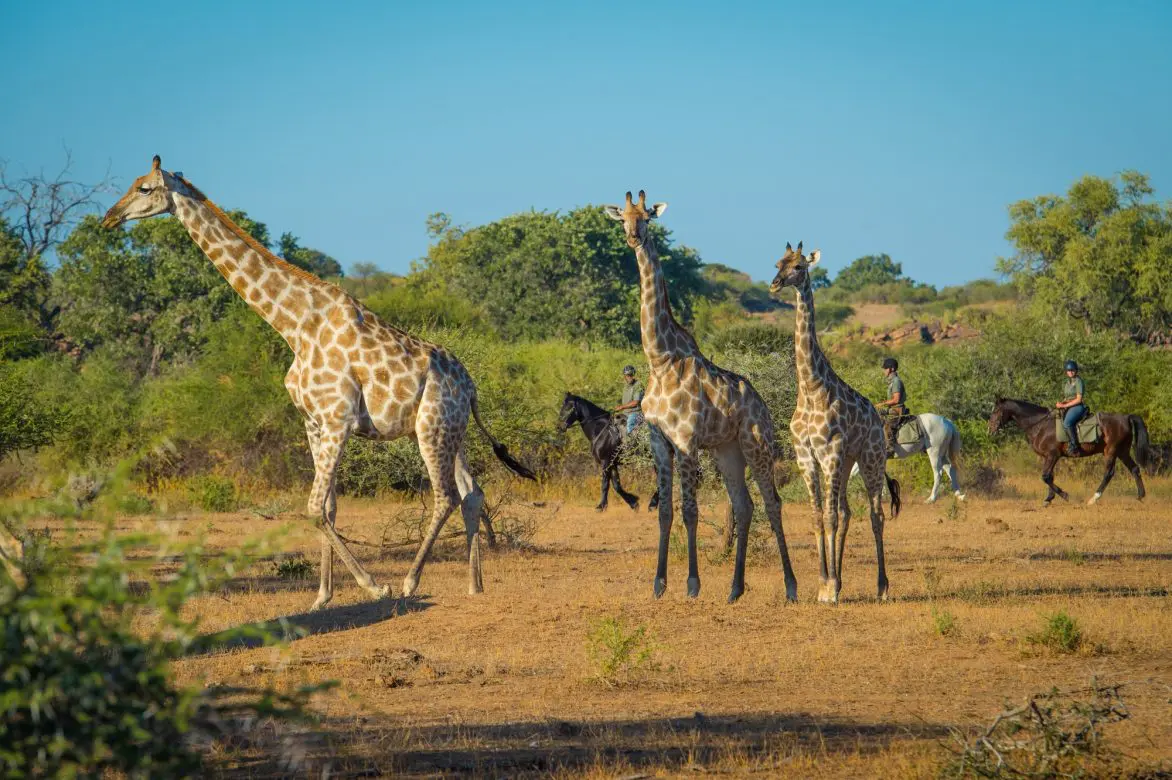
x=865 y=127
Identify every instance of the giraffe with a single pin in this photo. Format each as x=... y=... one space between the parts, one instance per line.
x=691 y=404
x=833 y=427
x=351 y=374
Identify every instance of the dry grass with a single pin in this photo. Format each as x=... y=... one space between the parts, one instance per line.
x=506 y=684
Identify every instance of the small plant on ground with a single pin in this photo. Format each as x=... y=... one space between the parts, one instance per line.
x=134 y=504
x=943 y=622
x=296 y=567
x=1052 y=734
x=1073 y=555
x=618 y=650
x=1060 y=633
x=214 y=494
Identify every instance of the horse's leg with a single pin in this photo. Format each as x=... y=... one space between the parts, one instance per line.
x=1048 y=478
x=631 y=499
x=950 y=455
x=605 y=489
x=1108 y=472
x=934 y=459
x=1133 y=467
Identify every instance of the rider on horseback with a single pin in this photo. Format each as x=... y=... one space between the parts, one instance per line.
x=1075 y=404
x=632 y=396
x=895 y=407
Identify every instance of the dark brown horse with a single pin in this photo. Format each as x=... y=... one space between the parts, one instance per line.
x=1120 y=432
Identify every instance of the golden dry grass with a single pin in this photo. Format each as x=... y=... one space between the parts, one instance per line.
x=504 y=684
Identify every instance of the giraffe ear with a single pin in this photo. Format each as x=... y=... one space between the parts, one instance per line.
x=657 y=210
x=177 y=174
x=156 y=163
x=614 y=212
x=813 y=258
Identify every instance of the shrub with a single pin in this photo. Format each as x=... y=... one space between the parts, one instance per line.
x=1060 y=633
x=214 y=494
x=943 y=622
x=85 y=682
x=295 y=567
x=615 y=649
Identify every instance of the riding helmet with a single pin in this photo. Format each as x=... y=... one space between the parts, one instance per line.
x=891 y=363
x=1070 y=366
x=628 y=370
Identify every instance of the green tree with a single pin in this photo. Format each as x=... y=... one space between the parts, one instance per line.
x=1101 y=255
x=868 y=270
x=819 y=278
x=315 y=261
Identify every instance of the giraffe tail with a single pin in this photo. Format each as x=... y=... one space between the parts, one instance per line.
x=893 y=489
x=498 y=449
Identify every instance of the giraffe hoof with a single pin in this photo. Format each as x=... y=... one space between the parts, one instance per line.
x=600 y=508
x=381 y=592
x=660 y=586
x=693 y=587
x=736 y=593
x=409 y=586
x=322 y=600
x=791 y=591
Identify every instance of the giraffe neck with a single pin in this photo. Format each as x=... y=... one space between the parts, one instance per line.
x=279 y=292
x=814 y=370
x=663 y=338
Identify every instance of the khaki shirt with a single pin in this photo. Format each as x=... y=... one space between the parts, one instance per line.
x=1073 y=388
x=633 y=392
x=896 y=386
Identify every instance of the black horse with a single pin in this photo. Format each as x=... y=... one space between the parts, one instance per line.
x=1121 y=434
x=601 y=430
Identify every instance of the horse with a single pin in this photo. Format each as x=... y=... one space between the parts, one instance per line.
x=941 y=441
x=601 y=430
x=1120 y=432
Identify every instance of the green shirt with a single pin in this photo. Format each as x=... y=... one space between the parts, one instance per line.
x=633 y=392
x=1073 y=388
x=896 y=386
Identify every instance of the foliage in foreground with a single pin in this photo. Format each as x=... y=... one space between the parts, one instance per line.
x=88 y=638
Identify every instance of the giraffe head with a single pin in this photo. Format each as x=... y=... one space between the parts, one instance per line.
x=634 y=217
x=793 y=269
x=148 y=195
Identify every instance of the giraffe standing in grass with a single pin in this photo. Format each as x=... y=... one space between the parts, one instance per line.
x=833 y=427
x=351 y=374
x=691 y=404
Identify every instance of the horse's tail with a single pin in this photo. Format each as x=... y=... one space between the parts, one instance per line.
x=954 y=445
x=1139 y=440
x=893 y=489
x=499 y=449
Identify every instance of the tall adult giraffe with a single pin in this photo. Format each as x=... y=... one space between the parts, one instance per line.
x=833 y=427
x=351 y=373
x=692 y=404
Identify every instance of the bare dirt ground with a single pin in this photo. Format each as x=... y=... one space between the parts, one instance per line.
x=510 y=682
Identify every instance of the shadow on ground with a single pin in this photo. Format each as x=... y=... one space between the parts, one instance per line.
x=294 y=627
x=763 y=741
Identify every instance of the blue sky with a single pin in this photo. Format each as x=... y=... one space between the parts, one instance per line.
x=866 y=127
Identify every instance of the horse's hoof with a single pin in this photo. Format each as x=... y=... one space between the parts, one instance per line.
x=633 y=503
x=1064 y=496
x=1091 y=501
x=1046 y=504
x=693 y=587
x=930 y=500
x=960 y=496
x=600 y=508
x=660 y=586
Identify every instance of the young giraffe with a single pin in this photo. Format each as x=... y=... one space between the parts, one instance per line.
x=691 y=404
x=833 y=427
x=351 y=373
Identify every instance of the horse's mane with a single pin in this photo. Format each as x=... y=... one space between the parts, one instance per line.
x=1022 y=407
x=594 y=409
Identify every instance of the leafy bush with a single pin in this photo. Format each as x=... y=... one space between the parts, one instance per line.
x=295 y=567
x=943 y=622
x=1060 y=633
x=214 y=494
x=616 y=649
x=85 y=682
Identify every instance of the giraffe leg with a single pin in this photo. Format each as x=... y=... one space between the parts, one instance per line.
x=873 y=476
x=663 y=451
x=325 y=589
x=808 y=465
x=689 y=466
x=329 y=450
x=760 y=460
x=731 y=463
x=832 y=473
x=471 y=503
x=438 y=446
x=844 y=522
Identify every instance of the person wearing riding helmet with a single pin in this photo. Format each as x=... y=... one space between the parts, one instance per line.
x=1074 y=406
x=632 y=397
x=895 y=407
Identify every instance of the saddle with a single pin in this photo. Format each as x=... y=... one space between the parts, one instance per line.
x=1088 y=429
x=908 y=429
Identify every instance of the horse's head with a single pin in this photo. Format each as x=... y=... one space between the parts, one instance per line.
x=998 y=417
x=570 y=413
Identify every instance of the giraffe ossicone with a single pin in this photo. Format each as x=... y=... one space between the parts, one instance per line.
x=833 y=427
x=691 y=404
x=351 y=374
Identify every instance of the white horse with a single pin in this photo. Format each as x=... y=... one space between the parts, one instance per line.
x=941 y=441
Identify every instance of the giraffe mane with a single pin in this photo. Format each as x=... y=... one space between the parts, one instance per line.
x=252 y=243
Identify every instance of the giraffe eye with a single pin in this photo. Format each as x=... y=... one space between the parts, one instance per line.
x=144 y=190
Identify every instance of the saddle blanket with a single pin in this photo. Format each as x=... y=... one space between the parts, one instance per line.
x=910 y=432
x=1088 y=429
